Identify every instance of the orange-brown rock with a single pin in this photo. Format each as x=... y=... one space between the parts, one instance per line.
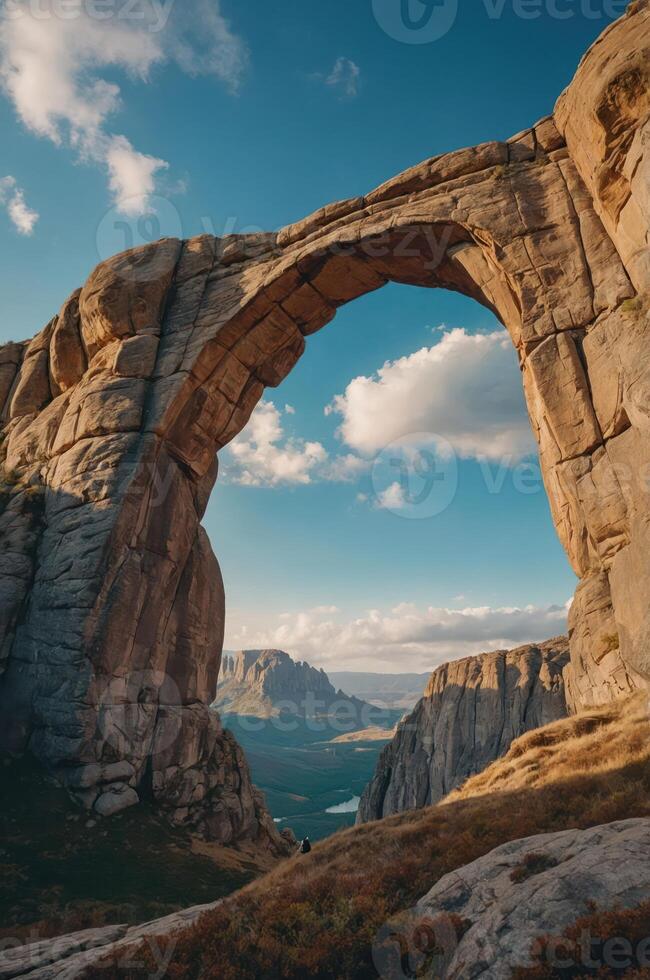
x=111 y=604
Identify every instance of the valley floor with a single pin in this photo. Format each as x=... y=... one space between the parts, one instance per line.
x=305 y=777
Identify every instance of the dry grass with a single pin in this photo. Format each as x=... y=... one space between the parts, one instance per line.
x=317 y=916
x=601 y=740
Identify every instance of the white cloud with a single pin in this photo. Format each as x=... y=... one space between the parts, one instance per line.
x=345 y=468
x=466 y=389
x=12 y=198
x=406 y=637
x=344 y=77
x=132 y=176
x=51 y=68
x=392 y=498
x=263 y=455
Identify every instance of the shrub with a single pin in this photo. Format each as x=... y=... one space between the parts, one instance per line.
x=631 y=926
x=634 y=305
x=532 y=864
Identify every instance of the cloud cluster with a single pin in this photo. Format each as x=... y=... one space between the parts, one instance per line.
x=12 y=199
x=53 y=68
x=411 y=637
x=465 y=389
x=463 y=392
x=344 y=78
x=263 y=455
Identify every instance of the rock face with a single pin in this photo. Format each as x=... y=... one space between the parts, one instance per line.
x=111 y=601
x=556 y=877
x=470 y=714
x=263 y=683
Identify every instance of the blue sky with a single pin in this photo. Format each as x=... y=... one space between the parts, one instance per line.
x=239 y=116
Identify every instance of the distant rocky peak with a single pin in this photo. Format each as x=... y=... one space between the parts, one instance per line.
x=268 y=682
x=275 y=674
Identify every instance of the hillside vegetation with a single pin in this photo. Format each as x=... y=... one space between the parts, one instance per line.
x=63 y=870
x=318 y=915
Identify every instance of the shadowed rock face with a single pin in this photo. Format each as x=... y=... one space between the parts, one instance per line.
x=471 y=712
x=111 y=600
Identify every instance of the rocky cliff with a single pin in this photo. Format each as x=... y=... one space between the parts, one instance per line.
x=111 y=600
x=471 y=712
x=264 y=683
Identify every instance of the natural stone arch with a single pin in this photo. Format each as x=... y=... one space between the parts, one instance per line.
x=111 y=599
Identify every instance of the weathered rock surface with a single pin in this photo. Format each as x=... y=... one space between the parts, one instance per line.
x=111 y=602
x=75 y=955
x=608 y=865
x=264 y=683
x=471 y=712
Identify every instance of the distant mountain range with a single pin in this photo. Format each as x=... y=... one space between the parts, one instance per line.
x=385 y=690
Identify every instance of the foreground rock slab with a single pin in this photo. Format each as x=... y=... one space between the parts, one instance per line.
x=528 y=888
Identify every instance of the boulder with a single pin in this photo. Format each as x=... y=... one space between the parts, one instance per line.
x=526 y=889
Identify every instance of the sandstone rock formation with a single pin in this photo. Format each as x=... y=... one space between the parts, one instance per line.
x=556 y=877
x=263 y=683
x=470 y=714
x=111 y=601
